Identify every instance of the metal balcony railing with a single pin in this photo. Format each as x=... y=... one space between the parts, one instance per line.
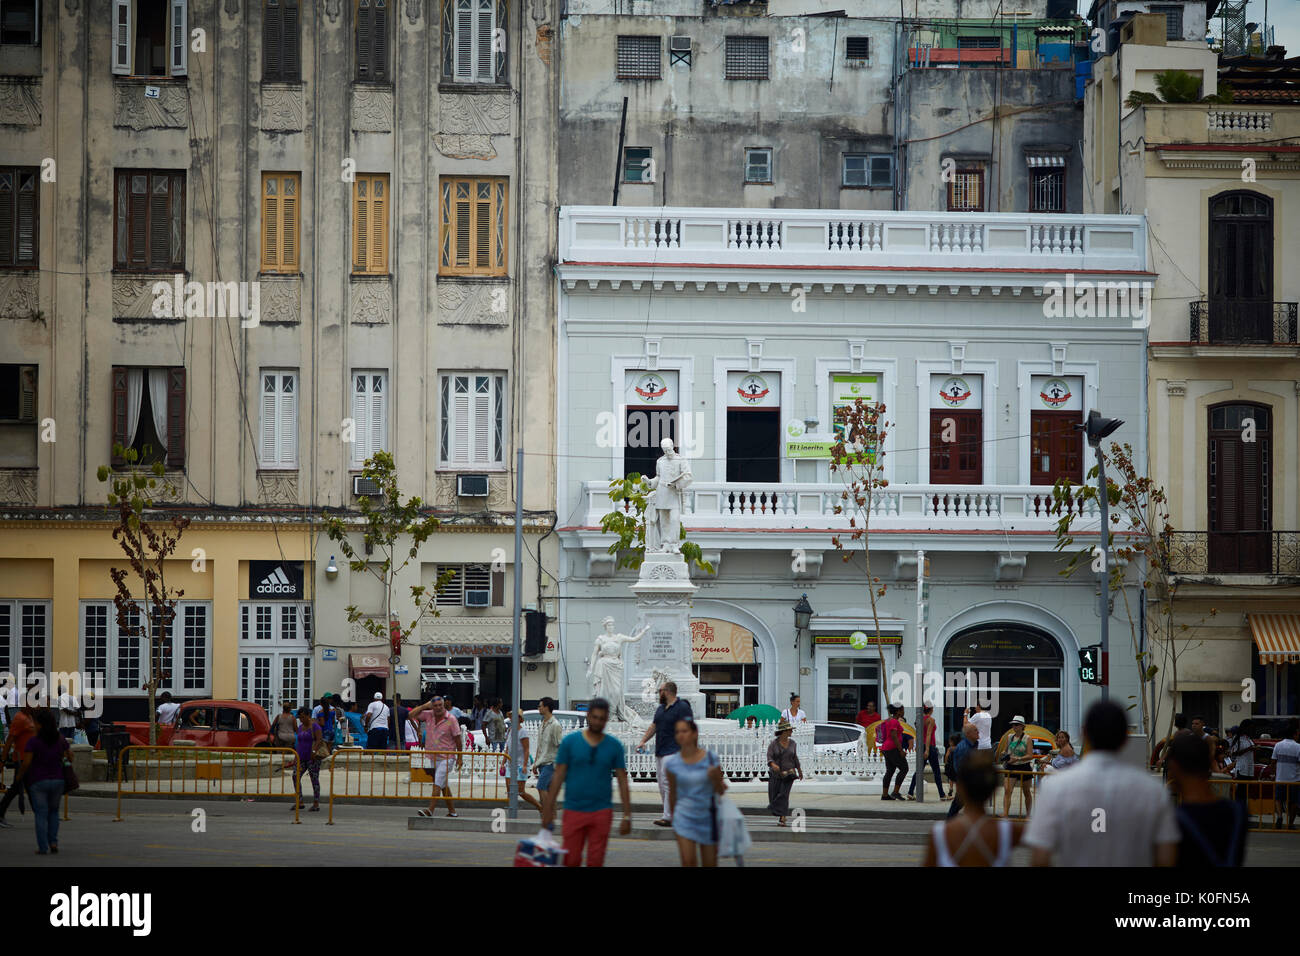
x=1234 y=552
x=1244 y=323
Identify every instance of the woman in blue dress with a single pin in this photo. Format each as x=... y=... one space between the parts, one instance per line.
x=694 y=781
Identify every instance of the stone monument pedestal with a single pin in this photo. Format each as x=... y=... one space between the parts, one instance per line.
x=663 y=603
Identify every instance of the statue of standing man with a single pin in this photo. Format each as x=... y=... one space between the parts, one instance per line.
x=663 y=514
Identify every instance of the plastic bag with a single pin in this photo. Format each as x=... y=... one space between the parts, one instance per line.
x=79 y=737
x=733 y=836
x=541 y=850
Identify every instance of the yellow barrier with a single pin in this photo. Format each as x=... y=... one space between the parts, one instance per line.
x=1275 y=805
x=474 y=776
x=148 y=771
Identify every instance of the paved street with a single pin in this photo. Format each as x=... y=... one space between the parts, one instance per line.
x=159 y=833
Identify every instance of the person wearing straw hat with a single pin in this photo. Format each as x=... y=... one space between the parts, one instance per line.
x=1018 y=762
x=783 y=770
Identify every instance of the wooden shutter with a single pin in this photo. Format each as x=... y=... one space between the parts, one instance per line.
x=270 y=222
x=484 y=23
x=291 y=186
x=27 y=393
x=159 y=221
x=138 y=220
x=474 y=230
x=465 y=40
x=176 y=418
x=180 y=38
x=291 y=62
x=378 y=425
x=363 y=39
x=360 y=220
x=482 y=450
x=267 y=453
x=461 y=418
x=118 y=382
x=272 y=40
x=502 y=57
x=8 y=216
x=26 y=218
x=360 y=418
x=280 y=221
x=379 y=41
x=378 y=249
x=287 y=420
x=123 y=33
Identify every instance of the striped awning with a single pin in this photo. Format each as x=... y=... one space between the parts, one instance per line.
x=1045 y=159
x=1277 y=636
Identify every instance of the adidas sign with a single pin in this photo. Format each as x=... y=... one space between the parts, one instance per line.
x=277 y=582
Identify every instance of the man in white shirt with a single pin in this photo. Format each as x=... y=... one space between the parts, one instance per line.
x=983 y=722
x=793 y=713
x=1286 y=768
x=67 y=714
x=376 y=722
x=1104 y=812
x=167 y=710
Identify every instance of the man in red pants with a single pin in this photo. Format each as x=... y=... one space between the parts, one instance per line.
x=584 y=764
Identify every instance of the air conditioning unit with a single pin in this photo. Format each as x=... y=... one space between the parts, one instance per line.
x=478 y=597
x=679 y=44
x=472 y=486
x=363 y=486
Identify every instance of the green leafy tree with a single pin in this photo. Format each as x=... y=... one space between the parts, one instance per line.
x=392 y=533
x=148 y=537
x=1139 y=538
x=627 y=521
x=1178 y=86
x=858 y=460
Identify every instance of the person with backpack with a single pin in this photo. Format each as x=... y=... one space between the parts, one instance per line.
x=1213 y=829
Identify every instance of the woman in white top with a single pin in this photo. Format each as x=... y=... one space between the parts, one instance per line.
x=972 y=838
x=793 y=713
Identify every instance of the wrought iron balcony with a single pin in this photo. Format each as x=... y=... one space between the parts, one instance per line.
x=1244 y=323
x=1234 y=552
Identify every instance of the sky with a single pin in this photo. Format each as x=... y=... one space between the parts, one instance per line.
x=1283 y=16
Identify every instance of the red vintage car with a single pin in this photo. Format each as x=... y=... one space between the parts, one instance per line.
x=210 y=723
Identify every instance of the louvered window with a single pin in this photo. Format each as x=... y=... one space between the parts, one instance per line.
x=280 y=217
x=19 y=216
x=278 y=434
x=473 y=419
x=369 y=415
x=372 y=40
x=281 y=42
x=20 y=22
x=747 y=58
x=474 y=226
x=150 y=221
x=639 y=57
x=474 y=41
x=370 y=224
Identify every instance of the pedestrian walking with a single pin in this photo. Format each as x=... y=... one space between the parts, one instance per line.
x=695 y=781
x=983 y=721
x=1140 y=826
x=1017 y=764
x=310 y=746
x=663 y=728
x=67 y=717
x=42 y=770
x=783 y=770
x=972 y=837
x=949 y=767
x=968 y=744
x=548 y=744
x=794 y=713
x=477 y=713
x=1286 y=771
x=1213 y=829
x=931 y=753
x=520 y=774
x=375 y=720
x=892 y=748
x=442 y=745
x=22 y=728
x=584 y=764
x=494 y=726
x=284 y=729
x=1241 y=754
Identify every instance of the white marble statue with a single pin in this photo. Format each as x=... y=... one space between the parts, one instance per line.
x=605 y=671
x=663 y=513
x=650 y=685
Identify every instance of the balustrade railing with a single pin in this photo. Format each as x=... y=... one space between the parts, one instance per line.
x=1233 y=552
x=1239 y=120
x=1244 y=322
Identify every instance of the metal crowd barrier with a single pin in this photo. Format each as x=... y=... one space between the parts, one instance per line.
x=1274 y=805
x=476 y=777
x=1018 y=779
x=153 y=771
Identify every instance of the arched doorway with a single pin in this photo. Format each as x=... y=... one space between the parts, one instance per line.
x=1017 y=669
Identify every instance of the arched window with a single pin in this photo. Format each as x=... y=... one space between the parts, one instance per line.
x=1020 y=667
x=1240 y=506
x=1241 y=268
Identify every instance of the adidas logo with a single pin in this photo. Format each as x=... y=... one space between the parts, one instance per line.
x=277 y=582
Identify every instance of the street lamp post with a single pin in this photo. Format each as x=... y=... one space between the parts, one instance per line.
x=803 y=614
x=1096 y=428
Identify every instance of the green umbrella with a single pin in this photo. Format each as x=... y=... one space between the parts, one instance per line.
x=762 y=713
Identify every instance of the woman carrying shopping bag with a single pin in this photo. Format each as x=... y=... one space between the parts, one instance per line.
x=695 y=782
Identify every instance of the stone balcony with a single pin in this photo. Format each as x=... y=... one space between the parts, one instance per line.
x=799 y=506
x=826 y=244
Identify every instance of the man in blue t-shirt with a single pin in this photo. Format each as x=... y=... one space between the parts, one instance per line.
x=583 y=766
x=664 y=730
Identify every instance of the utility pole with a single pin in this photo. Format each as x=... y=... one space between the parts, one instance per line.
x=1095 y=429
x=922 y=622
x=516 y=718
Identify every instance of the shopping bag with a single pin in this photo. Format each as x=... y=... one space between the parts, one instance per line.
x=541 y=850
x=733 y=837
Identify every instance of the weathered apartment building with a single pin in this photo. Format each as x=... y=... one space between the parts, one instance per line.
x=376 y=176
x=770 y=230
x=1219 y=184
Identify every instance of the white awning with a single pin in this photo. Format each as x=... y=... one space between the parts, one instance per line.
x=1045 y=159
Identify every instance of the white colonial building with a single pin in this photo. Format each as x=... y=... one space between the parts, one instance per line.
x=740 y=332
